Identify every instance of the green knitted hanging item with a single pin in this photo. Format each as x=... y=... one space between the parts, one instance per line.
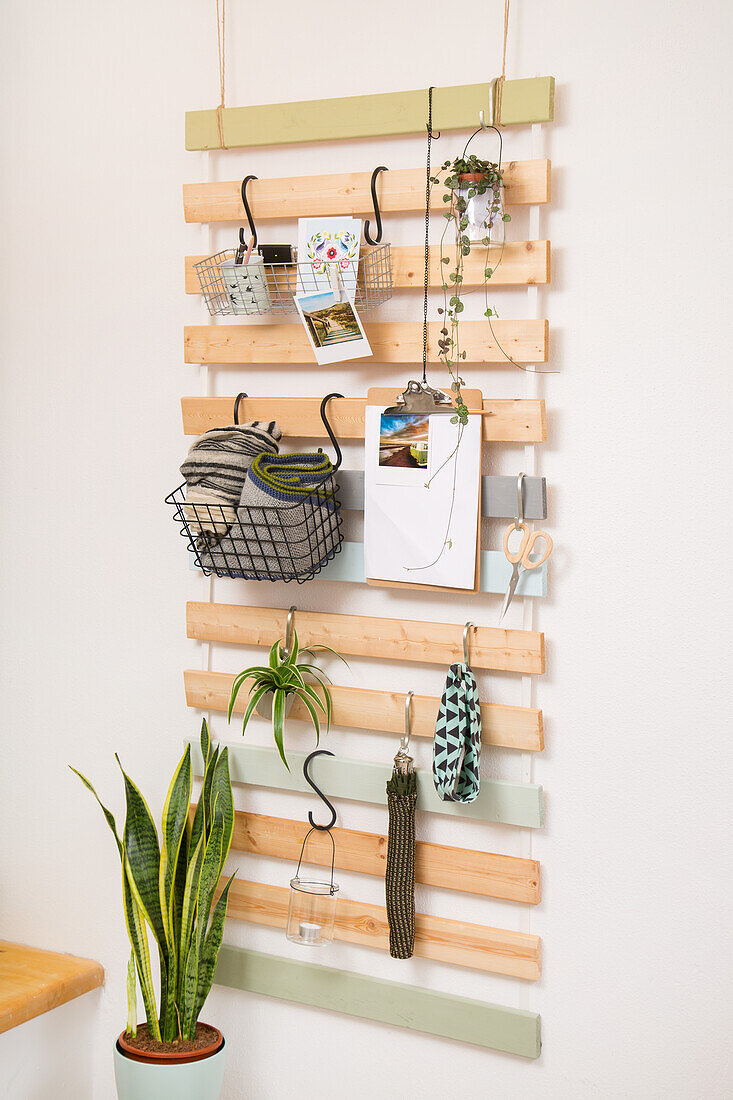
x=400 y=874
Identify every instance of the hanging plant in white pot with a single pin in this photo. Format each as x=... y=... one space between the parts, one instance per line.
x=171 y=888
x=275 y=687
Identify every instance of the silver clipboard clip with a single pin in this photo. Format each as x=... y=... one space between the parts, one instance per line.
x=419 y=397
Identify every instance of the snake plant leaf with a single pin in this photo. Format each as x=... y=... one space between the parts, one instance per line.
x=142 y=851
x=175 y=816
x=188 y=914
x=133 y=920
x=206 y=791
x=190 y=983
x=208 y=880
x=210 y=951
x=205 y=741
x=109 y=817
x=210 y=873
x=221 y=792
x=278 y=722
x=138 y=936
x=131 y=1028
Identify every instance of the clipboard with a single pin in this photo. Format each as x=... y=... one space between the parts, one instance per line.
x=419 y=398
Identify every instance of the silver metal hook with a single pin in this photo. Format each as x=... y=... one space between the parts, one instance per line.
x=405 y=739
x=520 y=503
x=466 y=629
x=492 y=101
x=403 y=761
x=289 y=631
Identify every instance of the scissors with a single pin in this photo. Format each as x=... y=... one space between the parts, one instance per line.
x=521 y=559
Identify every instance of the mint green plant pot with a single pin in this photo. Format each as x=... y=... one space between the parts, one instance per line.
x=201 y=1080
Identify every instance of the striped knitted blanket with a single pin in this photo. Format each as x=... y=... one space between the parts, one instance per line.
x=215 y=469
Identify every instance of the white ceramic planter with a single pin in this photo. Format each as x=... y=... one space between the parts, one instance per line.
x=264 y=707
x=188 y=1081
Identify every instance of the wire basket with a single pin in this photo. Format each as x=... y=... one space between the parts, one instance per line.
x=257 y=287
x=289 y=543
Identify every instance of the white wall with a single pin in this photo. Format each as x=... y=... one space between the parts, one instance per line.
x=636 y=768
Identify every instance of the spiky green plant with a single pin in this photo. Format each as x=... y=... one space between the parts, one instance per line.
x=285 y=675
x=170 y=888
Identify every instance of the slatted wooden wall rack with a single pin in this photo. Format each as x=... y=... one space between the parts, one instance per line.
x=517 y=421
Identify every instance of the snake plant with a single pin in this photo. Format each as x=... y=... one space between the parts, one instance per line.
x=285 y=676
x=170 y=888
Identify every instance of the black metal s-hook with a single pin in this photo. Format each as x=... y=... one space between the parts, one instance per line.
x=321 y=795
x=375 y=203
x=329 y=429
x=248 y=212
x=237 y=399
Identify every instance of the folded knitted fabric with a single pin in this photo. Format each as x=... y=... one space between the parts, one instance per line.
x=216 y=467
x=288 y=520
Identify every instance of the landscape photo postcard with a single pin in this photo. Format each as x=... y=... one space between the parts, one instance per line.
x=334 y=328
x=404 y=448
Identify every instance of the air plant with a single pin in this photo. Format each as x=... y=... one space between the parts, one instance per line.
x=284 y=679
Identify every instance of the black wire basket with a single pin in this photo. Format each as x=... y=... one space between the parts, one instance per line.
x=291 y=542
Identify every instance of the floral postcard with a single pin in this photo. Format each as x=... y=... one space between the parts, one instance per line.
x=328 y=254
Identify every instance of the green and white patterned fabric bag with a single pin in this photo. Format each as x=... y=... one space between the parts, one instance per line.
x=457 y=742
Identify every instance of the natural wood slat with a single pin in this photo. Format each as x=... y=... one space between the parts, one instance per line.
x=523 y=263
x=471 y=872
x=364 y=636
x=516 y=420
x=525 y=341
x=494 y=950
x=33 y=981
x=361 y=708
x=400 y=190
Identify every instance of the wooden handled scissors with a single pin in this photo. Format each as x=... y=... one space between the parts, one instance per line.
x=521 y=559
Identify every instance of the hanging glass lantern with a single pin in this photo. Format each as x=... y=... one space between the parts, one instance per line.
x=312 y=910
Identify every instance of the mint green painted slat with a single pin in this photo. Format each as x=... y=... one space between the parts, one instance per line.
x=499 y=800
x=494 y=1027
x=495 y=571
x=381 y=115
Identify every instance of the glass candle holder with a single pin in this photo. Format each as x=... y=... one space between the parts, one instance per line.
x=312 y=912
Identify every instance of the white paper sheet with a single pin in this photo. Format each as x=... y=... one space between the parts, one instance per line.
x=413 y=533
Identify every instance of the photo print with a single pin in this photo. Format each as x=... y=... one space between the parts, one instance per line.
x=404 y=448
x=333 y=326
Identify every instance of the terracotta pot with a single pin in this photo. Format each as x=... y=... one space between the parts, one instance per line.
x=470 y=177
x=173 y=1057
x=198 y=1075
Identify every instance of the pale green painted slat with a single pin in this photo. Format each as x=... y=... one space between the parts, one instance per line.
x=348 y=566
x=499 y=800
x=381 y=115
x=511 y=1030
